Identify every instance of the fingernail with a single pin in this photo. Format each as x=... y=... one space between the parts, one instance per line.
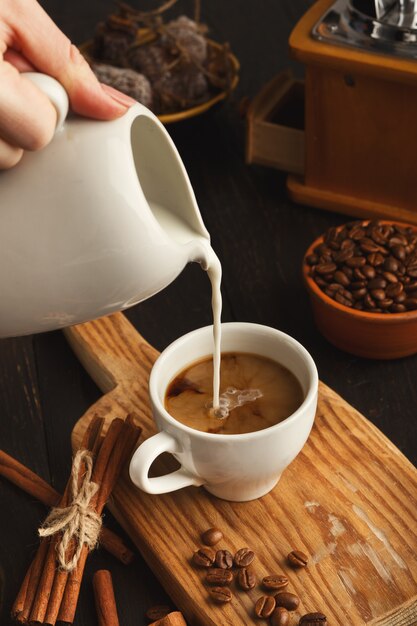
x=118 y=96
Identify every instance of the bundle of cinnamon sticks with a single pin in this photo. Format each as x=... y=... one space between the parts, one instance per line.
x=48 y=594
x=32 y=484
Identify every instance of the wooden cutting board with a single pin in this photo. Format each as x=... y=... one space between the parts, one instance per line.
x=349 y=501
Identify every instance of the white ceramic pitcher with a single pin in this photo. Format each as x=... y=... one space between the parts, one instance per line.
x=102 y=218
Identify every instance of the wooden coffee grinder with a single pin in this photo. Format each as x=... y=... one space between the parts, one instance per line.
x=360 y=119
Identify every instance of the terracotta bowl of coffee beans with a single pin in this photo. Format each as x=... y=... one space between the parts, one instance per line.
x=362 y=281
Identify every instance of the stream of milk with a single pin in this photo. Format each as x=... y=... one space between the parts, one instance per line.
x=181 y=232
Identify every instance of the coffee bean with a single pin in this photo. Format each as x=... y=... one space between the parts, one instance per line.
x=356 y=261
x=159 y=611
x=325 y=268
x=378 y=294
x=412 y=271
x=357 y=233
x=288 y=600
x=219 y=577
x=296 y=558
x=275 y=581
x=359 y=293
x=224 y=559
x=348 y=271
x=377 y=283
x=358 y=284
x=394 y=290
x=220 y=595
x=410 y=303
x=358 y=274
x=375 y=259
x=265 y=606
x=391 y=264
x=341 y=278
x=343 y=255
x=246 y=578
x=390 y=277
x=280 y=617
x=342 y=300
x=204 y=557
x=335 y=287
x=313 y=619
x=212 y=536
x=331 y=234
x=397 y=240
x=368 y=246
x=368 y=271
x=368 y=303
x=385 y=303
x=379 y=235
x=347 y=244
x=243 y=557
x=411 y=286
x=398 y=308
x=398 y=252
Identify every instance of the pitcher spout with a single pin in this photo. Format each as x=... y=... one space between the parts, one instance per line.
x=161 y=174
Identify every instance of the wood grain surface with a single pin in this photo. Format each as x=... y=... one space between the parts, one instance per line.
x=348 y=500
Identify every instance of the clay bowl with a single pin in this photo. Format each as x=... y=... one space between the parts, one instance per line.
x=370 y=335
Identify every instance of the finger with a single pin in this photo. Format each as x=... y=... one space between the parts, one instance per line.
x=62 y=60
x=18 y=61
x=9 y=155
x=27 y=116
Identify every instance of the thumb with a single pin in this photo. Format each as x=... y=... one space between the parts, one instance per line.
x=42 y=43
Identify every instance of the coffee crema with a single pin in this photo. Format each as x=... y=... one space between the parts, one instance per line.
x=255 y=393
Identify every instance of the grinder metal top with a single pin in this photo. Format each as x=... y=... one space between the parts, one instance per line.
x=386 y=26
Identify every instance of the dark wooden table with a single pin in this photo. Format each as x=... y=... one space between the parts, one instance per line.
x=260 y=238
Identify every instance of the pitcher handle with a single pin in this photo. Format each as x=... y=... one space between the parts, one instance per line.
x=146 y=454
x=55 y=92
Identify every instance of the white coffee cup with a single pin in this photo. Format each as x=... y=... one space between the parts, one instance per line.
x=233 y=467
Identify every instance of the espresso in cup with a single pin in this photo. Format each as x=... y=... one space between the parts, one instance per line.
x=256 y=392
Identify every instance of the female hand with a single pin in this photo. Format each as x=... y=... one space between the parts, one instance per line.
x=30 y=41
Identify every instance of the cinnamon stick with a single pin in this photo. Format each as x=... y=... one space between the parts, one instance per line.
x=104 y=599
x=35 y=486
x=172 y=619
x=45 y=592
x=29 y=590
x=48 y=594
x=105 y=474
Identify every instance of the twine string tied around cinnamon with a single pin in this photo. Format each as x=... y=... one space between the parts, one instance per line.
x=78 y=521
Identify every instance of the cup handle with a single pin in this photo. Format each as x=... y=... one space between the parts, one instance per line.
x=55 y=92
x=145 y=455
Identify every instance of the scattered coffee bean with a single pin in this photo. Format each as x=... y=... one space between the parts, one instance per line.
x=204 y=557
x=159 y=611
x=280 y=617
x=372 y=262
x=246 y=578
x=275 y=581
x=224 y=559
x=220 y=595
x=288 y=600
x=219 y=577
x=212 y=536
x=313 y=619
x=265 y=606
x=243 y=557
x=296 y=558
